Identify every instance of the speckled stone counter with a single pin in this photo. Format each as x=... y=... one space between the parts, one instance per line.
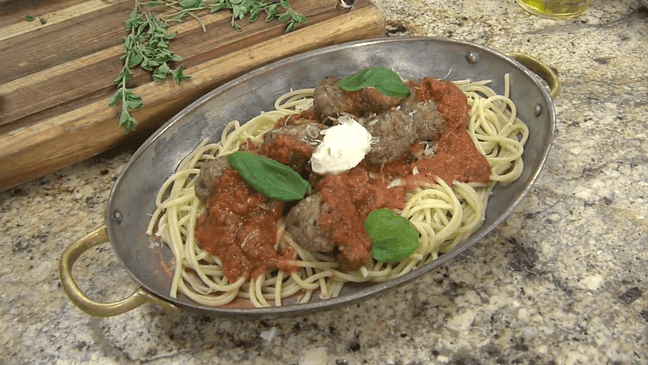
x=563 y=281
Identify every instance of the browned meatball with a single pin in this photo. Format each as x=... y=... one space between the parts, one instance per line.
x=302 y=223
x=210 y=171
x=371 y=100
x=394 y=134
x=425 y=117
x=303 y=132
x=329 y=100
x=287 y=152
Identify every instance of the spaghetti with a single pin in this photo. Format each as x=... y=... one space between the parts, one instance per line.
x=444 y=215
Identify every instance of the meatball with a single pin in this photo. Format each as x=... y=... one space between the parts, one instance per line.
x=280 y=145
x=302 y=223
x=307 y=132
x=210 y=171
x=329 y=100
x=394 y=133
x=426 y=119
x=371 y=100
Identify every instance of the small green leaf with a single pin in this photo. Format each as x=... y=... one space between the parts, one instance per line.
x=148 y=51
x=29 y=18
x=238 y=12
x=134 y=59
x=161 y=72
x=134 y=21
x=272 y=12
x=116 y=98
x=381 y=78
x=299 y=18
x=189 y=4
x=127 y=121
x=290 y=27
x=163 y=55
x=269 y=177
x=149 y=64
x=283 y=17
x=175 y=58
x=217 y=7
x=254 y=15
x=133 y=104
x=178 y=75
x=394 y=237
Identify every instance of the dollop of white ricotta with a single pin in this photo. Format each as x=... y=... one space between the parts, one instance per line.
x=342 y=148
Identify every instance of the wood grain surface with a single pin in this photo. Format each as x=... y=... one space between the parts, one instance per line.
x=57 y=72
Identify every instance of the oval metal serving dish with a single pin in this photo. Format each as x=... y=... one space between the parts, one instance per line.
x=133 y=196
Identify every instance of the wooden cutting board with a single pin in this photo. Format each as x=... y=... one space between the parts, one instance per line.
x=57 y=71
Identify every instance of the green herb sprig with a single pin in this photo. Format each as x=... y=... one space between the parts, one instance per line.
x=147 y=44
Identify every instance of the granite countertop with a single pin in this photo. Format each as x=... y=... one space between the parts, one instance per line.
x=563 y=281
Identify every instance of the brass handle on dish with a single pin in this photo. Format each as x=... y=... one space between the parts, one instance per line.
x=69 y=257
x=539 y=68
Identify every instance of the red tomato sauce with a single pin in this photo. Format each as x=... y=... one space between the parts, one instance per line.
x=282 y=146
x=455 y=156
x=240 y=228
x=351 y=196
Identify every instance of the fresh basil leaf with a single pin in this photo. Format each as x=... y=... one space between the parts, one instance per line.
x=269 y=177
x=386 y=81
x=394 y=237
